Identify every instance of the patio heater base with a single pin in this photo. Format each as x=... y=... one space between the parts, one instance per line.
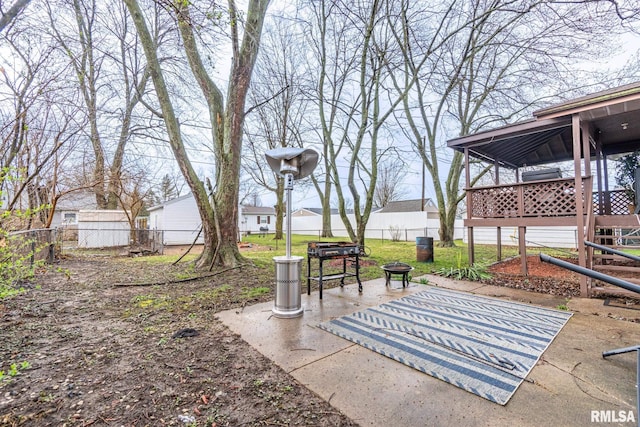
x=288 y=302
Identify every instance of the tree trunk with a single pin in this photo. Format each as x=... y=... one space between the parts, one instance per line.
x=229 y=149
x=446 y=232
x=98 y=169
x=326 y=210
x=226 y=210
x=175 y=138
x=227 y=125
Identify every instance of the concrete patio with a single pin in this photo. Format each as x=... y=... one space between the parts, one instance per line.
x=572 y=385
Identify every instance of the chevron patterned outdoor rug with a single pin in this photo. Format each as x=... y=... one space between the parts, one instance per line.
x=483 y=345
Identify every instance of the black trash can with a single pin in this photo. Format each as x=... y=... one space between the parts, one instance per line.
x=424 y=249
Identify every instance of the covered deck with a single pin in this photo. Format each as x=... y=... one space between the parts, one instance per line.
x=583 y=131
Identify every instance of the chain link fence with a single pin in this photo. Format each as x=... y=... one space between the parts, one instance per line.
x=136 y=240
x=44 y=244
x=392 y=233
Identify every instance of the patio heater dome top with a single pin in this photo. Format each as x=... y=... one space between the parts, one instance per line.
x=299 y=162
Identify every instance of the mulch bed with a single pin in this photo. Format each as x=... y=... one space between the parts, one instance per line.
x=546 y=278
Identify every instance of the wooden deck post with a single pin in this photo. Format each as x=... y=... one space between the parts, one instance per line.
x=498 y=229
x=470 y=248
x=579 y=198
x=599 y=175
x=522 y=249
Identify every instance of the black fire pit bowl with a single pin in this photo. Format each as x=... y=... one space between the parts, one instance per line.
x=397 y=268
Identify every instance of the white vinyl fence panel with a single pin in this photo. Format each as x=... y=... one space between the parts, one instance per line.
x=404 y=226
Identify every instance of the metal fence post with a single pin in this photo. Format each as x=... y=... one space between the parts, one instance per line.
x=33 y=248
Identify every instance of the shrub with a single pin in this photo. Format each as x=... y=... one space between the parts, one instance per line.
x=625 y=172
x=17 y=249
x=473 y=272
x=16 y=263
x=395 y=232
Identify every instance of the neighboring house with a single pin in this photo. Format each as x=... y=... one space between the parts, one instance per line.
x=316 y=212
x=179 y=219
x=256 y=219
x=307 y=212
x=416 y=205
x=69 y=205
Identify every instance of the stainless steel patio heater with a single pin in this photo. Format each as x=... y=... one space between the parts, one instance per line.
x=292 y=164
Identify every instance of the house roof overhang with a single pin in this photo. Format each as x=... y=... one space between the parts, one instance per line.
x=257 y=210
x=613 y=116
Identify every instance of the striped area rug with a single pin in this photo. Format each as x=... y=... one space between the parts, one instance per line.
x=483 y=345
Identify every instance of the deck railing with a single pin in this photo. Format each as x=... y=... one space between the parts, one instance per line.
x=555 y=197
x=614 y=202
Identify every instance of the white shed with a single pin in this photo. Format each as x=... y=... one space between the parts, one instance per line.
x=102 y=228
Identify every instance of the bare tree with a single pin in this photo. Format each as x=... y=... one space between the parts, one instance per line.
x=133 y=77
x=24 y=79
x=279 y=110
x=51 y=148
x=168 y=188
x=220 y=215
x=134 y=194
x=108 y=97
x=353 y=45
x=37 y=130
x=327 y=36
x=484 y=64
x=87 y=68
x=389 y=186
x=252 y=199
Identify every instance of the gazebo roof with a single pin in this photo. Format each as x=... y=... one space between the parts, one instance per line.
x=547 y=138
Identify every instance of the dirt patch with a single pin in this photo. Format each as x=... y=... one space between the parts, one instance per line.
x=181 y=249
x=78 y=350
x=254 y=247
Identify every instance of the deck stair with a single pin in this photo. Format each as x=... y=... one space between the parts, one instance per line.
x=622 y=235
